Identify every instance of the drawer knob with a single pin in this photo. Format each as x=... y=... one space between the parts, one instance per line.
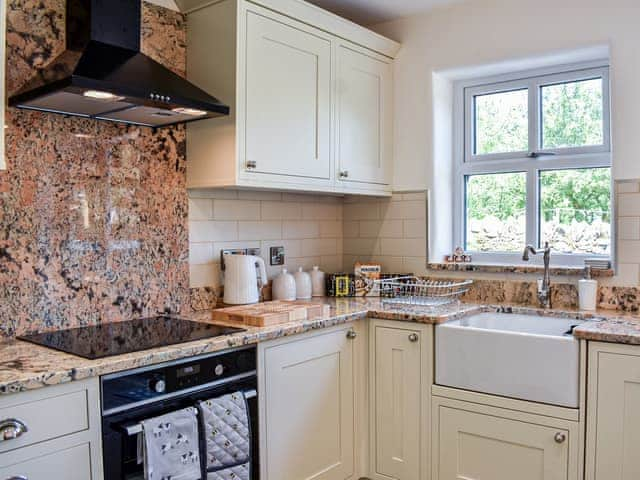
x=344 y=174
x=413 y=337
x=560 y=437
x=11 y=429
x=351 y=334
x=251 y=164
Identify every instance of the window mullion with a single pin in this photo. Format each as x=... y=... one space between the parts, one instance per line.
x=532 y=234
x=534 y=116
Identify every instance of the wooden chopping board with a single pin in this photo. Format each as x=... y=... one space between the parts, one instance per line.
x=271 y=313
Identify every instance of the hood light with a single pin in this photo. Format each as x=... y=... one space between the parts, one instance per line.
x=100 y=95
x=189 y=111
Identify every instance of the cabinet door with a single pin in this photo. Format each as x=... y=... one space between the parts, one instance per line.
x=474 y=445
x=309 y=408
x=288 y=99
x=70 y=464
x=364 y=116
x=396 y=410
x=613 y=425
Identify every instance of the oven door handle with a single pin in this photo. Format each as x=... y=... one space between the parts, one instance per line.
x=132 y=429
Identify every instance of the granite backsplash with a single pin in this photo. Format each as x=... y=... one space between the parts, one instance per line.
x=93 y=215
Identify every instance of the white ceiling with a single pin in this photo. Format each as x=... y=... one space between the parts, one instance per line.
x=369 y=12
x=364 y=12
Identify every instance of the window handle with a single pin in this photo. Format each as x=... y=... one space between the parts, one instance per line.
x=540 y=154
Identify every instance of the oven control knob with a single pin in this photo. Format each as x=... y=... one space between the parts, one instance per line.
x=158 y=386
x=219 y=370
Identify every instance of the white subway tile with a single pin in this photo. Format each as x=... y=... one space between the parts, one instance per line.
x=331 y=263
x=629 y=228
x=629 y=251
x=307 y=263
x=627 y=186
x=212 y=193
x=351 y=229
x=200 y=253
x=419 y=196
x=404 y=210
x=259 y=230
x=320 y=211
x=204 y=276
x=281 y=211
x=389 y=263
x=415 y=265
x=300 y=230
x=629 y=205
x=415 y=228
x=315 y=247
x=236 y=210
x=362 y=211
x=212 y=231
x=331 y=229
x=627 y=275
x=403 y=247
x=200 y=209
x=361 y=246
x=292 y=248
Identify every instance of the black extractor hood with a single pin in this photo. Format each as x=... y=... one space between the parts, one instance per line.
x=103 y=75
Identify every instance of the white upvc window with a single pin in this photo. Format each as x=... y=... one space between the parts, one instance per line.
x=533 y=165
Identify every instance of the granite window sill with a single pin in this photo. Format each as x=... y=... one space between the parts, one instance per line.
x=497 y=268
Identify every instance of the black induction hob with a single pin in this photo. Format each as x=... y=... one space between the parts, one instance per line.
x=116 y=338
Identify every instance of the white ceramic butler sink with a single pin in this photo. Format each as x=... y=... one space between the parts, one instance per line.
x=528 y=357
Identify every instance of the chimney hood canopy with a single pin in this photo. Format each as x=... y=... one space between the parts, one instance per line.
x=103 y=75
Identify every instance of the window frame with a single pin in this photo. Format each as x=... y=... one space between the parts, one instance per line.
x=468 y=163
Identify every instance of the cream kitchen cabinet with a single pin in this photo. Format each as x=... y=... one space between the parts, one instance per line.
x=310 y=93
x=474 y=441
x=308 y=387
x=52 y=433
x=364 y=117
x=613 y=412
x=401 y=373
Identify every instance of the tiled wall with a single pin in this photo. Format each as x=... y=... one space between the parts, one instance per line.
x=389 y=231
x=628 y=216
x=308 y=226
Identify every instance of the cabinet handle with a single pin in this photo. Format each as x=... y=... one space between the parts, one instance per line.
x=560 y=437
x=351 y=334
x=251 y=164
x=344 y=173
x=413 y=337
x=17 y=477
x=11 y=429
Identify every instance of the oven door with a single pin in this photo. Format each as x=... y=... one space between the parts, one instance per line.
x=120 y=432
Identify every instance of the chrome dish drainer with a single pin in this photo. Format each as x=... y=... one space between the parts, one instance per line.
x=410 y=290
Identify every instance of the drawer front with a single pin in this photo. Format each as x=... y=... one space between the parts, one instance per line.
x=46 y=419
x=69 y=464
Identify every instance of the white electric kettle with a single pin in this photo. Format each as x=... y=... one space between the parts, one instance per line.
x=241 y=285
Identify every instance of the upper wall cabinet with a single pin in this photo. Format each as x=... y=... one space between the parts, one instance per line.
x=310 y=96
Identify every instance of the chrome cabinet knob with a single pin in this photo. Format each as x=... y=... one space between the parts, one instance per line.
x=11 y=429
x=560 y=437
x=351 y=334
x=344 y=173
x=251 y=164
x=413 y=337
x=158 y=386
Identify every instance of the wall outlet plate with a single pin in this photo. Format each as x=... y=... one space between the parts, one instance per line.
x=276 y=256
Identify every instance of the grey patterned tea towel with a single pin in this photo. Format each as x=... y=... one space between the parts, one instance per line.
x=227 y=437
x=171 y=447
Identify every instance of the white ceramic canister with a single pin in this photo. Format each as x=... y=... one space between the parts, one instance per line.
x=318 y=286
x=284 y=286
x=303 y=285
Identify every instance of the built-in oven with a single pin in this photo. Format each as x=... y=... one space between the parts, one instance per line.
x=135 y=395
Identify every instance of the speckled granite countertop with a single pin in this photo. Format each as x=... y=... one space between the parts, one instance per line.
x=24 y=366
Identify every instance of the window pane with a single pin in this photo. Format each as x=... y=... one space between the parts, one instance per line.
x=496 y=212
x=572 y=114
x=575 y=210
x=501 y=122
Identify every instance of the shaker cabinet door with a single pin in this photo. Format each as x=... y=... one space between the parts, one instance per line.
x=287 y=99
x=364 y=116
x=309 y=408
x=613 y=417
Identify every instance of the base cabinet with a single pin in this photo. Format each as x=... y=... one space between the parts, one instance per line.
x=400 y=379
x=478 y=442
x=613 y=412
x=308 y=405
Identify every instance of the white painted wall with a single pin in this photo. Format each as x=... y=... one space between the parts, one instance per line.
x=490 y=31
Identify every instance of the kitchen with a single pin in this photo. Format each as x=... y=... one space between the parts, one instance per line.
x=333 y=145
